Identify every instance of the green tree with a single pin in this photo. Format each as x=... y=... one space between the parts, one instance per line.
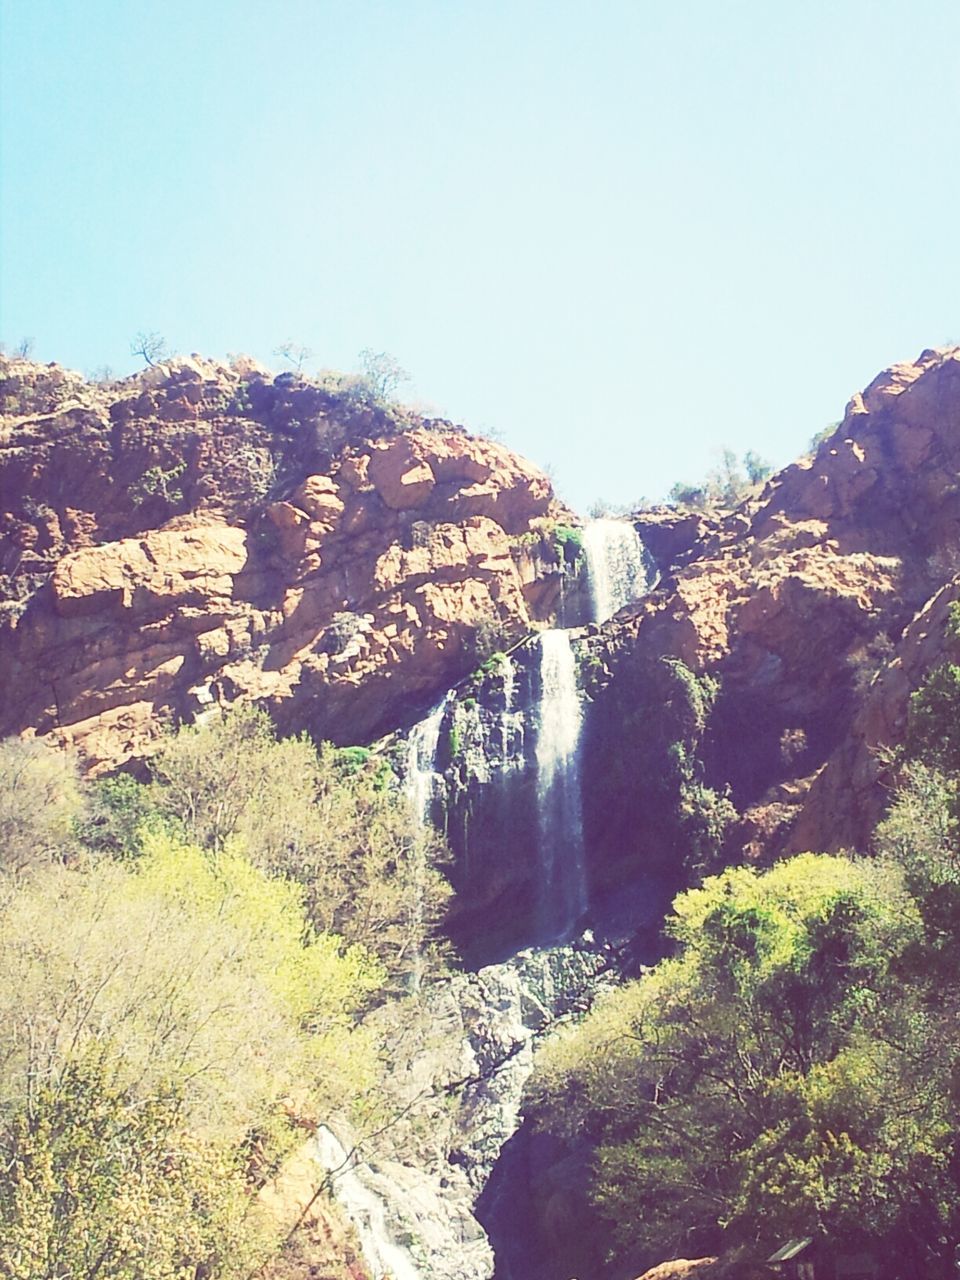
x=157 y=1017
x=757 y=468
x=725 y=485
x=933 y=728
x=339 y=826
x=40 y=799
x=117 y=812
x=738 y=1089
x=102 y=1183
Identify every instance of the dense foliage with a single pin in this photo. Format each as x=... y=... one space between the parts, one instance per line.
x=186 y=968
x=331 y=820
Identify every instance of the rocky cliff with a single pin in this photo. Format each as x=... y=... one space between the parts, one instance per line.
x=807 y=611
x=202 y=533
x=736 y=710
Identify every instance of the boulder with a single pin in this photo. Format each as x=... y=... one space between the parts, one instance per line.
x=680 y=1269
x=400 y=475
x=163 y=567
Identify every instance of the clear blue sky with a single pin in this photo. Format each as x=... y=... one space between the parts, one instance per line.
x=619 y=233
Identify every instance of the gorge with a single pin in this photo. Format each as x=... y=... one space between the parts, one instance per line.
x=592 y=714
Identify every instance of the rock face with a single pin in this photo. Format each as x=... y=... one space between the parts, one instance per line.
x=713 y=705
x=202 y=534
x=791 y=605
x=848 y=796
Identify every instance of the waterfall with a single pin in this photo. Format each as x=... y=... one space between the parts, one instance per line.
x=421 y=783
x=511 y=719
x=563 y=891
x=421 y=779
x=616 y=566
x=386 y=1259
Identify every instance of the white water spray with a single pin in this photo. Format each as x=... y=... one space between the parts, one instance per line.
x=386 y=1259
x=511 y=718
x=563 y=891
x=422 y=782
x=422 y=779
x=615 y=563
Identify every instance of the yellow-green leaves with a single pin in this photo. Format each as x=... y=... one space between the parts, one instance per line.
x=738 y=1087
x=39 y=799
x=333 y=824
x=156 y=1015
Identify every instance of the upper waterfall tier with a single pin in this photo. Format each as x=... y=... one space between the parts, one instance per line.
x=616 y=565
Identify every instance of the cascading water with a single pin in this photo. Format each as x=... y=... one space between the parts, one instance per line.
x=421 y=777
x=616 y=566
x=386 y=1259
x=422 y=782
x=563 y=887
x=511 y=718
x=513 y=787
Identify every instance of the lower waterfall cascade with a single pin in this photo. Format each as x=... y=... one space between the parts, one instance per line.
x=386 y=1258
x=421 y=779
x=422 y=782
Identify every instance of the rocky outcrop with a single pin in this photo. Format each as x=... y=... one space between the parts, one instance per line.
x=848 y=796
x=298 y=1209
x=206 y=533
x=713 y=704
x=791 y=604
x=680 y=1269
x=458 y=1077
x=203 y=534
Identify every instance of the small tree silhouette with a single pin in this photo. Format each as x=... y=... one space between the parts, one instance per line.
x=297 y=355
x=381 y=375
x=151 y=346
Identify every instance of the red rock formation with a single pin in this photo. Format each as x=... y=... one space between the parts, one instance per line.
x=680 y=1269
x=201 y=534
x=848 y=796
x=198 y=535
x=788 y=599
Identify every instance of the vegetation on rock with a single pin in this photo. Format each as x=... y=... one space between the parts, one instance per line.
x=725 y=485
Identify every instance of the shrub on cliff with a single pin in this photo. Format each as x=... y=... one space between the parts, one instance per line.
x=725 y=485
x=644 y=779
x=933 y=728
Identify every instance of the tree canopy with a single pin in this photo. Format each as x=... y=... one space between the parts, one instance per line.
x=188 y=966
x=156 y=1017
x=762 y=1082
